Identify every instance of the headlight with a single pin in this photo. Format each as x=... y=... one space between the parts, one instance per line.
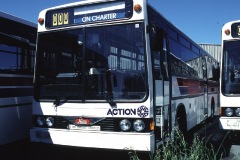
x=237 y=112
x=40 y=121
x=125 y=125
x=138 y=125
x=49 y=121
x=229 y=112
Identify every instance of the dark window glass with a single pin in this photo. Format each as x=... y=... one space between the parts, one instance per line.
x=16 y=56
x=184 y=42
x=172 y=34
x=231 y=68
x=195 y=49
x=101 y=63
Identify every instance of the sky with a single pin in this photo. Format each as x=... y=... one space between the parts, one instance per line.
x=201 y=20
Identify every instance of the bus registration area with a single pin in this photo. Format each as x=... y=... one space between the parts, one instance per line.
x=229 y=123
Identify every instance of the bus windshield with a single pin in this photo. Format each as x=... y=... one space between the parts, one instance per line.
x=231 y=68
x=89 y=64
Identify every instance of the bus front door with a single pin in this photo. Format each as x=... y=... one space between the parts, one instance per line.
x=161 y=85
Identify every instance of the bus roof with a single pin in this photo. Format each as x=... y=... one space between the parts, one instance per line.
x=17 y=19
x=19 y=27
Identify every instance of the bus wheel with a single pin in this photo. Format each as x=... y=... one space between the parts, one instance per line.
x=181 y=119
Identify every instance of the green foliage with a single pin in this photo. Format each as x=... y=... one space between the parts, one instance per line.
x=178 y=149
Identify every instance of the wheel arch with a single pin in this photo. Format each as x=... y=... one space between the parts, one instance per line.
x=181 y=117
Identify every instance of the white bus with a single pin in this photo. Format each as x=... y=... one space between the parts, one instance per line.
x=17 y=52
x=116 y=74
x=230 y=77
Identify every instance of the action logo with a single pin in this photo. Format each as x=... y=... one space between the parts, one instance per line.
x=141 y=111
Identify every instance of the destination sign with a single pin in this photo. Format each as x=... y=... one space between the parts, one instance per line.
x=103 y=16
x=236 y=30
x=59 y=18
x=92 y=13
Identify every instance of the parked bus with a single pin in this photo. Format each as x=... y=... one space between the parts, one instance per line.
x=230 y=77
x=116 y=74
x=17 y=51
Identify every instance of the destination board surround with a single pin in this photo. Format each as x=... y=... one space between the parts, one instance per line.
x=82 y=15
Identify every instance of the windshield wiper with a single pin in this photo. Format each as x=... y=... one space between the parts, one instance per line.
x=59 y=101
x=109 y=98
x=109 y=94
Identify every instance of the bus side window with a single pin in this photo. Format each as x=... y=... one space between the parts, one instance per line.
x=159 y=52
x=156 y=36
x=204 y=68
x=155 y=43
x=164 y=59
x=216 y=72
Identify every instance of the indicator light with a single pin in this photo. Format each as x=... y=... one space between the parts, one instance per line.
x=152 y=126
x=137 y=8
x=41 y=21
x=227 y=32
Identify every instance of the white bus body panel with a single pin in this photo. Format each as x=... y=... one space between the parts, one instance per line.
x=91 y=109
x=93 y=139
x=194 y=106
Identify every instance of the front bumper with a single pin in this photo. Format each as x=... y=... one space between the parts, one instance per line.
x=95 y=139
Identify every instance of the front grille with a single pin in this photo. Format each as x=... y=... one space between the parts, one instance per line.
x=61 y=122
x=106 y=124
